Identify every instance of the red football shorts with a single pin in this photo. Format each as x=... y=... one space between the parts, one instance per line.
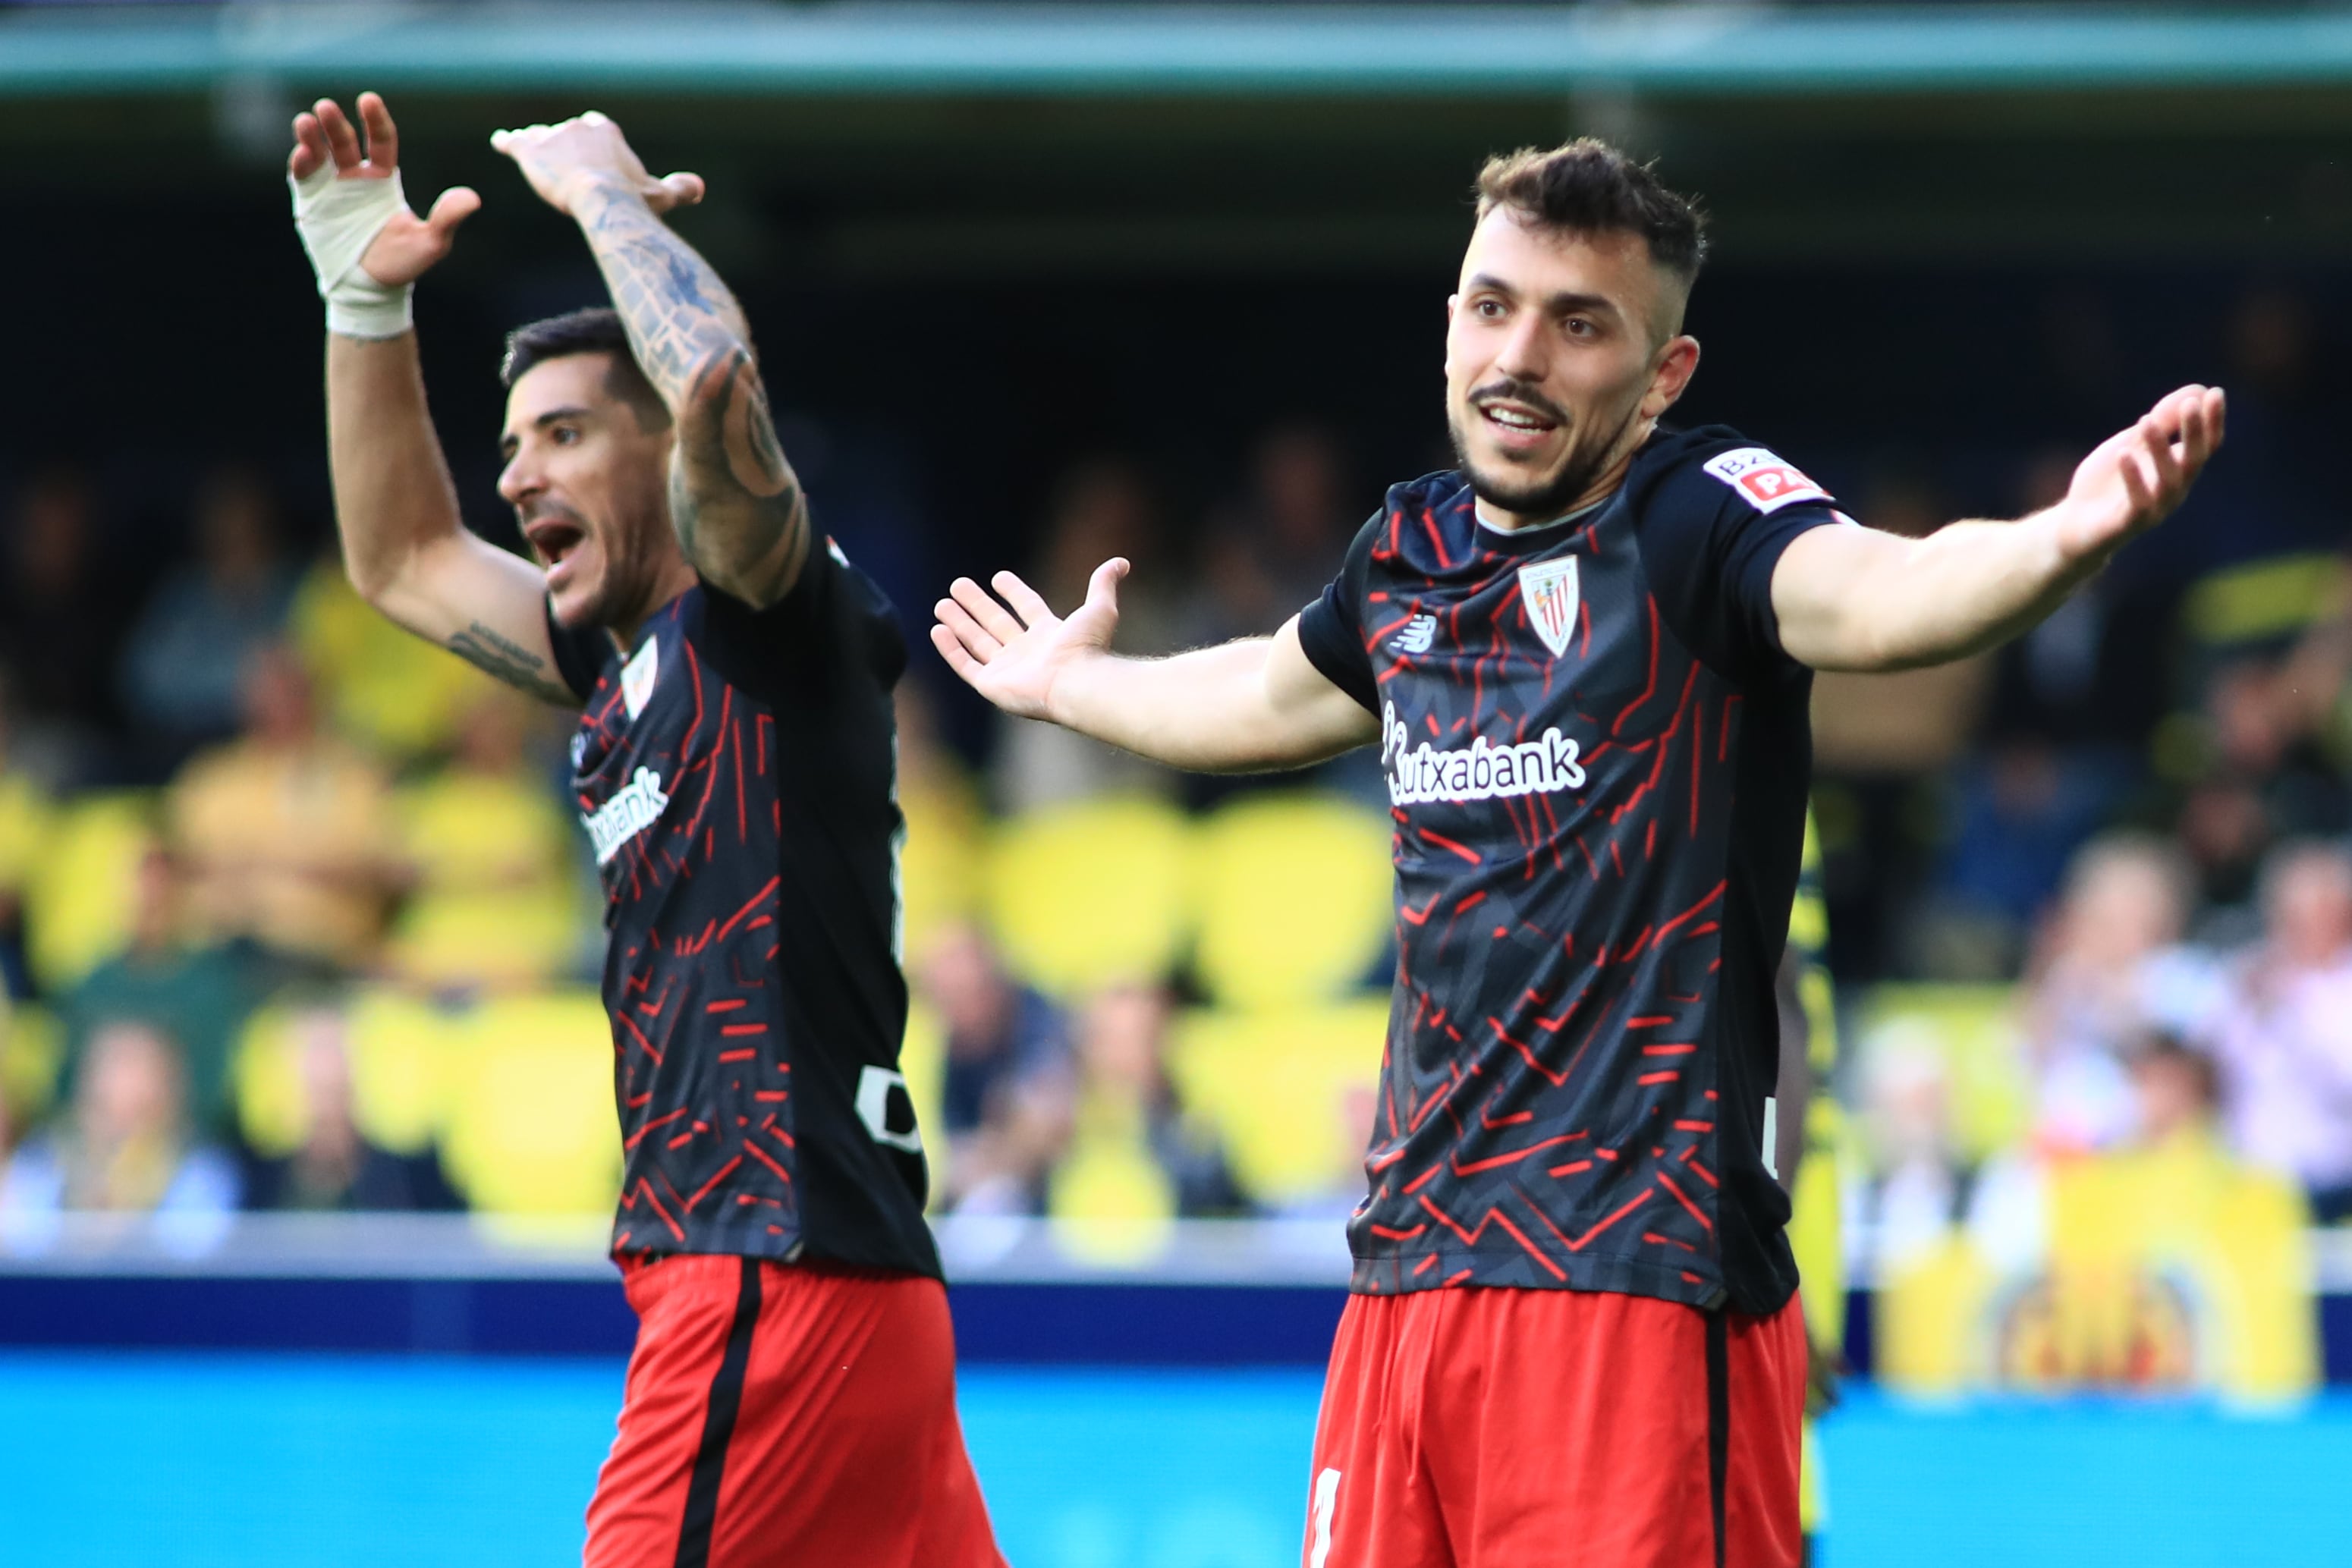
x=1511 y=1429
x=779 y=1414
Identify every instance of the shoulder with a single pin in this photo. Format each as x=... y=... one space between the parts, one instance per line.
x=1714 y=469
x=1424 y=524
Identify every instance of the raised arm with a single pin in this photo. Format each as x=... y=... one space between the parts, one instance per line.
x=1248 y=706
x=405 y=547
x=738 y=507
x=1856 y=599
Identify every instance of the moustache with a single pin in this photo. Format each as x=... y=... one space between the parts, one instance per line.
x=1518 y=391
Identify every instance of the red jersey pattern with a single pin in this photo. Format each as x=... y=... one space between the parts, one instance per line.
x=1597 y=758
x=735 y=770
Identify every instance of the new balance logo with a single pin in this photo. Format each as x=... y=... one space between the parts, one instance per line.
x=1418 y=634
x=637 y=807
x=1475 y=772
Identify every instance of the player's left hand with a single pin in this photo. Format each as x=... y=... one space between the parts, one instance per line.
x=2134 y=479
x=563 y=162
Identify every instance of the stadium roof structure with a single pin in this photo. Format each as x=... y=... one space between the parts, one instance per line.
x=1291 y=50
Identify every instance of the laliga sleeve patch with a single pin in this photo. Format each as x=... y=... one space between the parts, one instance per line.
x=1763 y=480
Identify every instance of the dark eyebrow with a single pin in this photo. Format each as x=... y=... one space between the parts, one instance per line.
x=1557 y=303
x=508 y=442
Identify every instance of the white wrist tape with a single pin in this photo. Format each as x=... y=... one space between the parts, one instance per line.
x=338 y=220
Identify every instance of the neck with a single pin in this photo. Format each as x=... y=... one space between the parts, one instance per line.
x=674 y=578
x=1603 y=486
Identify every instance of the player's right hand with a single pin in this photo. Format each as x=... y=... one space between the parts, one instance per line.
x=1012 y=656
x=408 y=245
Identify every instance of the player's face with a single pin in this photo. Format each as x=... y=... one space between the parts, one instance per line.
x=588 y=484
x=1559 y=349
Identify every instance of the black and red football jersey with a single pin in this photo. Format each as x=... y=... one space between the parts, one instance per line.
x=1597 y=755
x=735 y=771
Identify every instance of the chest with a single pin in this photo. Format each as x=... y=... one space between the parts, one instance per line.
x=655 y=724
x=1502 y=648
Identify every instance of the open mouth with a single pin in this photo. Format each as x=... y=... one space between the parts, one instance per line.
x=1516 y=419
x=554 y=538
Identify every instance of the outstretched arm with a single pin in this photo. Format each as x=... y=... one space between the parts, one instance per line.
x=405 y=547
x=1252 y=705
x=1856 y=599
x=738 y=507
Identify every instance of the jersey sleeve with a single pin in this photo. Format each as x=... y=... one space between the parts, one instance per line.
x=1331 y=629
x=1712 y=532
x=831 y=620
x=579 y=655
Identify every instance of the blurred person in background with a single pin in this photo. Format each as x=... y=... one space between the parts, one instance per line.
x=489 y=859
x=1274 y=548
x=62 y=613
x=183 y=669
x=337 y=1168
x=173 y=980
x=733 y=766
x=125 y=1143
x=2285 y=1040
x=2111 y=967
x=1135 y=1152
x=1102 y=506
x=1002 y=1036
x=1538 y=640
x=286 y=834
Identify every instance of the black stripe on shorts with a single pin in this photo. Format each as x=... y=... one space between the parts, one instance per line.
x=718 y=1427
x=1718 y=1418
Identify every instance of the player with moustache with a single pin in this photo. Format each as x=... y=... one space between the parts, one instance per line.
x=791 y=1395
x=1586 y=653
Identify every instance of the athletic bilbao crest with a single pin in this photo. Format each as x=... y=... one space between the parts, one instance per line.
x=1548 y=587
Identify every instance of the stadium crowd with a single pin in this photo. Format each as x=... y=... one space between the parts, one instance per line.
x=268 y=869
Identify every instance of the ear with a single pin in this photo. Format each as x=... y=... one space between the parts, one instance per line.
x=1677 y=362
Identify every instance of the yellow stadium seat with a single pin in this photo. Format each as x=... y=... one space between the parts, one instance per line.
x=1083 y=895
x=498 y=901
x=1295 y=898
x=32 y=1052
x=1975 y=1029
x=264 y=1077
x=923 y=1062
x=26 y=813
x=939 y=864
x=1275 y=1085
x=1110 y=1201
x=532 y=1130
x=2258 y=600
x=82 y=896
x=397 y=694
x=401 y=1048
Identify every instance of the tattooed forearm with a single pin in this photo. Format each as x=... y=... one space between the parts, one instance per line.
x=738 y=509
x=504 y=659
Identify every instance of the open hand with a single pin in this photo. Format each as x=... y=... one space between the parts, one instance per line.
x=408 y=245
x=563 y=162
x=1013 y=657
x=2134 y=479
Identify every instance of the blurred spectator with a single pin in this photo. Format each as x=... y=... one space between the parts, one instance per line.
x=188 y=649
x=492 y=858
x=1134 y=1152
x=1346 y=1184
x=125 y=1144
x=171 y=980
x=1004 y=1090
x=1102 y=508
x=24 y=816
x=2177 y=1095
x=337 y=1168
x=2111 y=968
x=286 y=832
x=1270 y=553
x=60 y=613
x=2284 y=1043
x=1879 y=742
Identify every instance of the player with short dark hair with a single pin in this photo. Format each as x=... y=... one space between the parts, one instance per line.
x=1586 y=656
x=792 y=1396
